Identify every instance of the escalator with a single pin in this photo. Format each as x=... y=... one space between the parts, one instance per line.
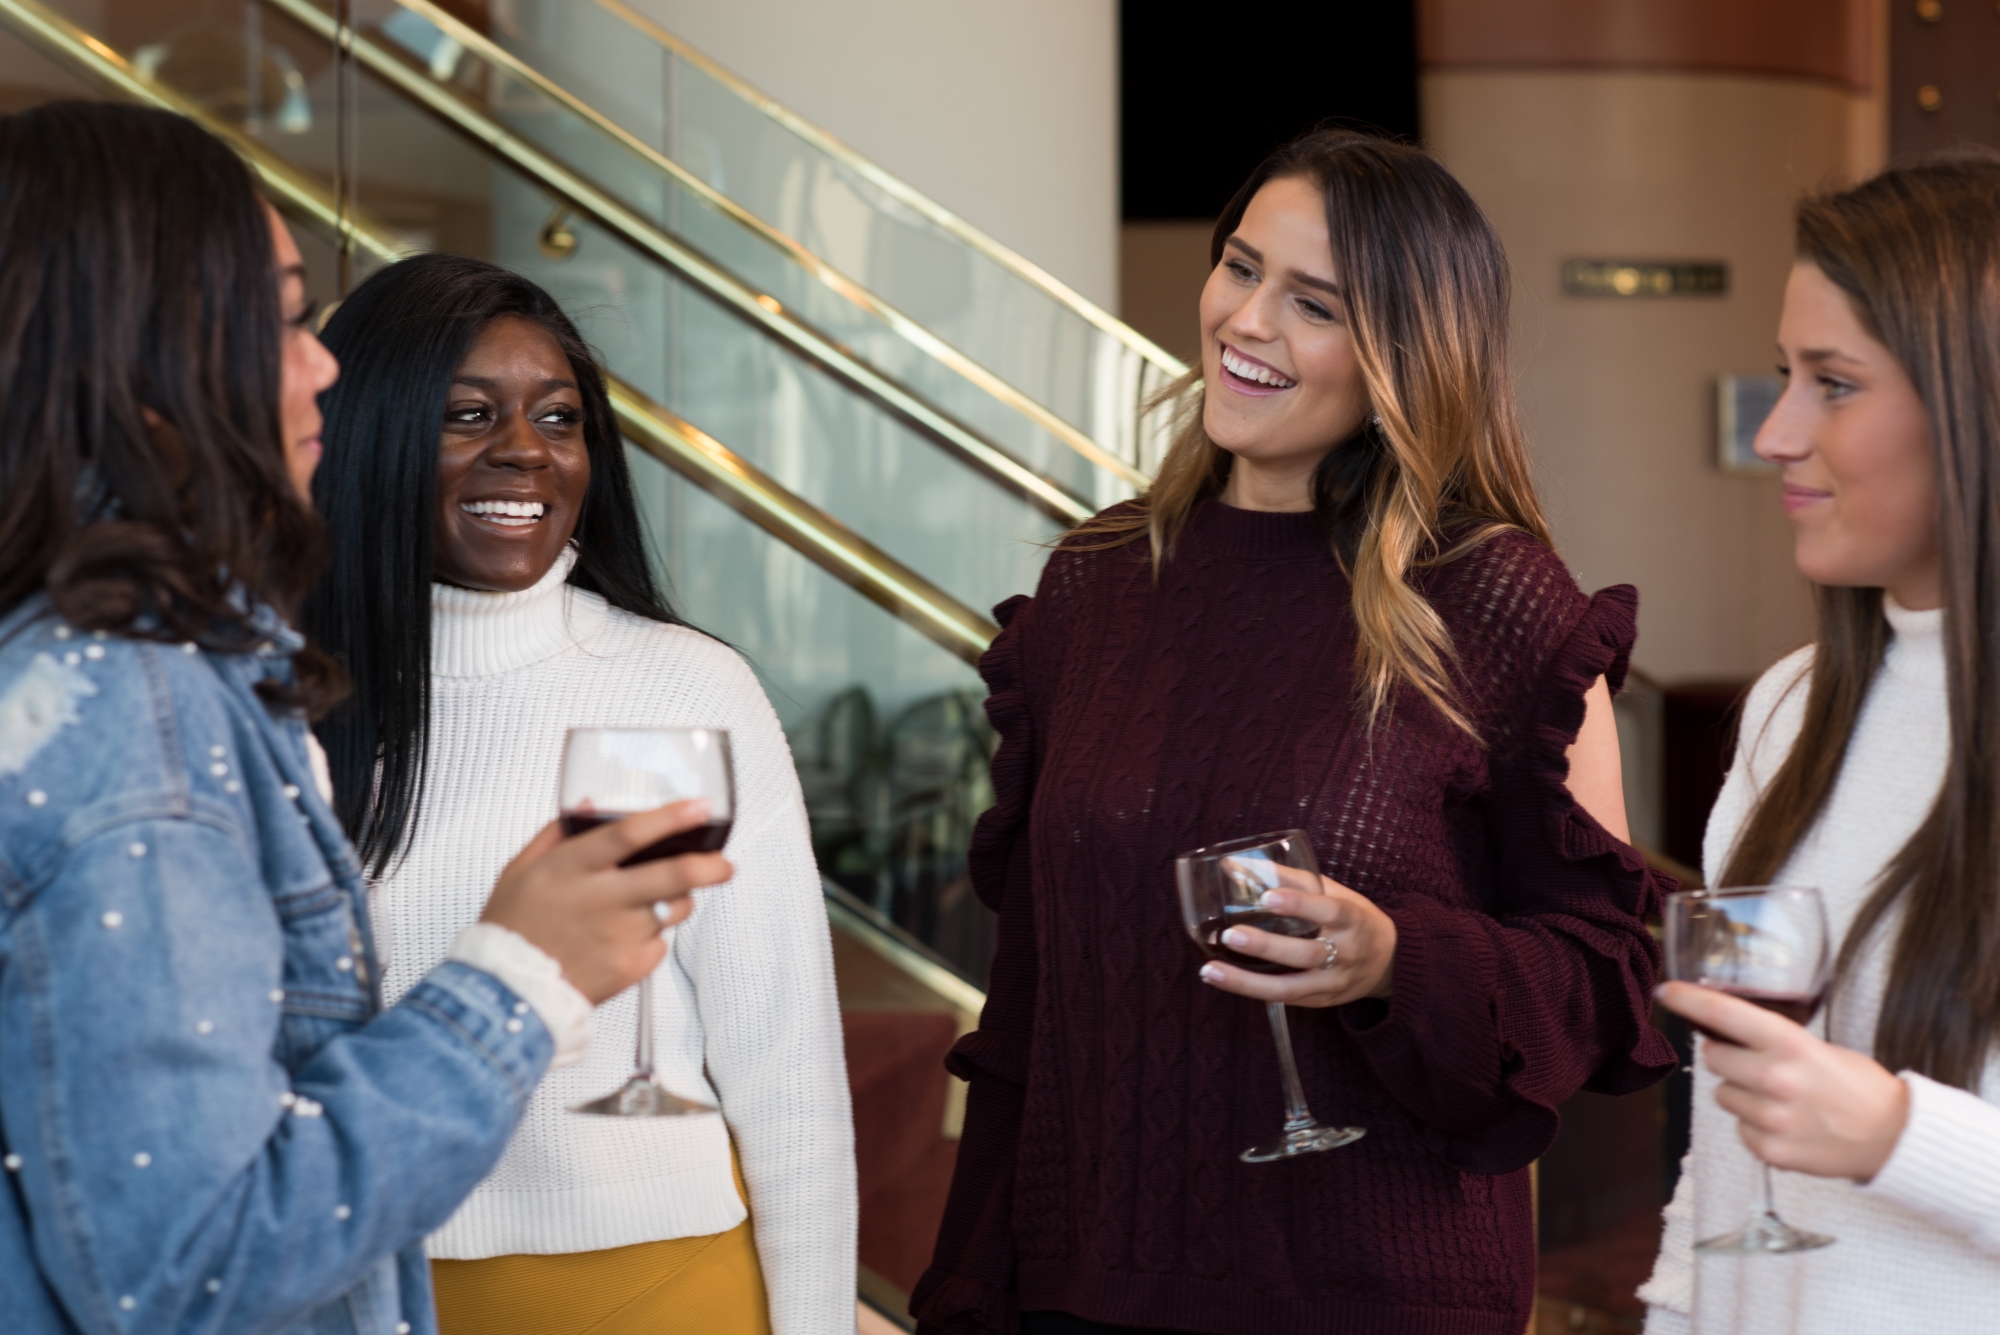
x=855 y=421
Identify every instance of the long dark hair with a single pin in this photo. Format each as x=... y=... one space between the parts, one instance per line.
x=1917 y=252
x=399 y=337
x=136 y=276
x=1426 y=288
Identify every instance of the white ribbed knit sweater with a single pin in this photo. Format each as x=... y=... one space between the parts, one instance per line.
x=746 y=1014
x=1919 y=1246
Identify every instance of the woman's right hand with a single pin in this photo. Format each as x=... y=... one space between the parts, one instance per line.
x=594 y=918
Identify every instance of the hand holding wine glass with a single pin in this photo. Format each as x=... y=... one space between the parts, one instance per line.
x=609 y=776
x=576 y=901
x=1291 y=966
x=1225 y=890
x=1763 y=947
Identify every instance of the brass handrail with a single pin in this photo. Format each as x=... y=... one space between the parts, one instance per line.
x=739 y=298
x=683 y=447
x=904 y=193
x=492 y=53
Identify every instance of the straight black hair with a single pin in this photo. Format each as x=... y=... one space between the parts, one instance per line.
x=143 y=482
x=400 y=336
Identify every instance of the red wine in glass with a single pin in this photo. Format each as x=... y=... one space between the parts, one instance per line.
x=704 y=838
x=1208 y=935
x=1798 y=1007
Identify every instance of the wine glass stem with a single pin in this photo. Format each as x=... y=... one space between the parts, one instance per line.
x=1296 y=1112
x=1770 y=1206
x=644 y=1060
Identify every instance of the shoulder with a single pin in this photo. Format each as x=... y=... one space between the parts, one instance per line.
x=1509 y=604
x=669 y=656
x=1773 y=712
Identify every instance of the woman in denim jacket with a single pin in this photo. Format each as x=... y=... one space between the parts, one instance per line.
x=207 y=1120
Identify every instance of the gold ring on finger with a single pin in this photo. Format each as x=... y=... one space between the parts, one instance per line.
x=1332 y=952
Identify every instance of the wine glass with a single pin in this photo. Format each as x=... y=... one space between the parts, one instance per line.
x=610 y=773
x=1223 y=886
x=1767 y=945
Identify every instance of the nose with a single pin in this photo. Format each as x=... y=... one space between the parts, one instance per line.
x=1255 y=321
x=514 y=443
x=1785 y=437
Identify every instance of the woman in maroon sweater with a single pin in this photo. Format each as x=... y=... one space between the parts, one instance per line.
x=1336 y=610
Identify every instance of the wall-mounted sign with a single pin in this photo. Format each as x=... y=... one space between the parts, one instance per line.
x=1742 y=403
x=1645 y=278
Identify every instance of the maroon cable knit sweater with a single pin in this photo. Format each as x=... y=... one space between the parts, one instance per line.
x=1111 y=1090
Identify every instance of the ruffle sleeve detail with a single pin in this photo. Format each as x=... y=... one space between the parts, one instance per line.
x=969 y=1288
x=1496 y=1018
x=1001 y=668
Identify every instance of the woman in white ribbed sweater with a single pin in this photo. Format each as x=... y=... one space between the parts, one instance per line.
x=489 y=590
x=1869 y=766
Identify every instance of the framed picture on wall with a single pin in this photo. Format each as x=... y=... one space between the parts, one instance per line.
x=1742 y=403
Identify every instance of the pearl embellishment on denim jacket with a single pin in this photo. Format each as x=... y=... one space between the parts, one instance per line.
x=137 y=850
x=277 y=994
x=213 y=1286
x=218 y=769
x=343 y=964
x=190 y=647
x=62 y=632
x=93 y=651
x=113 y=918
x=513 y=1026
x=142 y=1160
x=204 y=1026
x=127 y=1303
x=72 y=658
x=232 y=787
x=520 y=1008
x=342 y=1213
x=12 y=1163
x=217 y=752
x=38 y=798
x=292 y=791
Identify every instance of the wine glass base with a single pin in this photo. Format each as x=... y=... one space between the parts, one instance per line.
x=1305 y=1140
x=642 y=1098
x=1766 y=1235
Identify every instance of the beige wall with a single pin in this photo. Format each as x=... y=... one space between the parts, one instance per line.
x=1619 y=394
x=1005 y=114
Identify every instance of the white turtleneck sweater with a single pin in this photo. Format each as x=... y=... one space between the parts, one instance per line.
x=745 y=1012
x=1918 y=1248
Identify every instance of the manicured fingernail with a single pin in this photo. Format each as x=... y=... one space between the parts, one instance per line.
x=1236 y=938
x=1660 y=992
x=697 y=808
x=1275 y=899
x=1211 y=973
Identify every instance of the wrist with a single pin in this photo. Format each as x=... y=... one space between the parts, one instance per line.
x=1893 y=1117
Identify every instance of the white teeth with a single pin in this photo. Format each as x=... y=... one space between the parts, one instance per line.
x=1262 y=375
x=511 y=514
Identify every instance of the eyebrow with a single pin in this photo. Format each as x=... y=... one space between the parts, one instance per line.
x=1299 y=276
x=489 y=382
x=1825 y=355
x=297 y=271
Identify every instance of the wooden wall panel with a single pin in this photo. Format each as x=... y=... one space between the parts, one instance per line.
x=1812 y=39
x=1944 y=76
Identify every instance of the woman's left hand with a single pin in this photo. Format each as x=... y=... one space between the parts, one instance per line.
x=1801 y=1103
x=1362 y=935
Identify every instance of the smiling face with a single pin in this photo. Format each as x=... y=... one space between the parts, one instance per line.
x=513 y=466
x=1283 y=384
x=1854 y=439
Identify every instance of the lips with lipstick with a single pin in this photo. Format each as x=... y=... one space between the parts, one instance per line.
x=507 y=514
x=1247 y=375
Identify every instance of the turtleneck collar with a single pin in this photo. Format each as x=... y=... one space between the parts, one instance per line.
x=1917 y=652
x=476 y=634
x=1257 y=535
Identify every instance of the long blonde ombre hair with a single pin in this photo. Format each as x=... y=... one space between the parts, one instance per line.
x=1424 y=282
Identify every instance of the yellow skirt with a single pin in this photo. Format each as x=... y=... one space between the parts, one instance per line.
x=684 y=1286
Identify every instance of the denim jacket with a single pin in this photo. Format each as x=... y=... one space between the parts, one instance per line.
x=209 y=1122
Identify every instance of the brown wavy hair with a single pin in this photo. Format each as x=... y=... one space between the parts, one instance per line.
x=1917 y=252
x=137 y=278
x=1425 y=285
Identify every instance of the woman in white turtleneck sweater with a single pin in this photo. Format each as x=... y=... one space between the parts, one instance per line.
x=1868 y=766
x=470 y=413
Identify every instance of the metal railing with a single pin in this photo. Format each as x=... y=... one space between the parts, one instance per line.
x=760 y=309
